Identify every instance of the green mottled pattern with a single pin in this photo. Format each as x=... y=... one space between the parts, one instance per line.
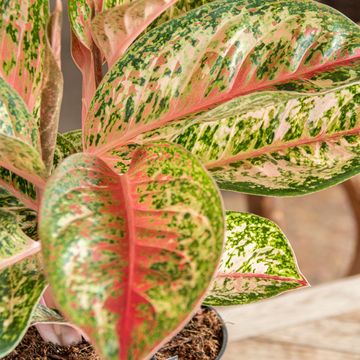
x=178 y=9
x=18 y=183
x=75 y=137
x=26 y=219
x=117 y=248
x=21 y=286
x=45 y=315
x=245 y=290
x=279 y=142
x=23 y=38
x=67 y=144
x=80 y=14
x=257 y=262
x=13 y=240
x=212 y=54
x=19 y=135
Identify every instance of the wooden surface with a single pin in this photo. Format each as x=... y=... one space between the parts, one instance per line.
x=321 y=323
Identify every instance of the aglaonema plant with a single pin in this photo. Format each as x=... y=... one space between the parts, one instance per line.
x=117 y=232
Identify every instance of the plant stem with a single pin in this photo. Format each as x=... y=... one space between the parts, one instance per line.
x=97 y=65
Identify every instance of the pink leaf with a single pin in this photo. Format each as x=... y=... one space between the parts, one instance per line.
x=22 y=44
x=212 y=55
x=115 y=29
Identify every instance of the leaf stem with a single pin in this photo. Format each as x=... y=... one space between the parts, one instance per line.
x=97 y=65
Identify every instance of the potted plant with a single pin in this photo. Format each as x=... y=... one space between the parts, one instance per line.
x=117 y=233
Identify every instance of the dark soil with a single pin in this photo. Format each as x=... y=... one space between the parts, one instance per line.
x=33 y=347
x=201 y=339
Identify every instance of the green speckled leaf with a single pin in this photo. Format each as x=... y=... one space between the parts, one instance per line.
x=20 y=150
x=257 y=263
x=179 y=8
x=279 y=142
x=18 y=226
x=75 y=137
x=21 y=286
x=67 y=144
x=19 y=187
x=80 y=15
x=116 y=248
x=23 y=38
x=45 y=315
x=264 y=121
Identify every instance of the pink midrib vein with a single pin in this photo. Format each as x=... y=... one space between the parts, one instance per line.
x=280 y=147
x=124 y=327
x=131 y=134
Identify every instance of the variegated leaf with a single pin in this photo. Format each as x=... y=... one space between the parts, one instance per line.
x=52 y=89
x=19 y=187
x=115 y=29
x=67 y=144
x=20 y=150
x=85 y=53
x=112 y=42
x=257 y=263
x=279 y=142
x=53 y=327
x=80 y=14
x=18 y=226
x=178 y=9
x=75 y=137
x=21 y=286
x=45 y=315
x=117 y=248
x=221 y=56
x=23 y=38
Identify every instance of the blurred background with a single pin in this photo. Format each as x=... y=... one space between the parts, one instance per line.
x=322 y=227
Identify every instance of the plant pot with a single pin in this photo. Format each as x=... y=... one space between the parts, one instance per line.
x=223 y=343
